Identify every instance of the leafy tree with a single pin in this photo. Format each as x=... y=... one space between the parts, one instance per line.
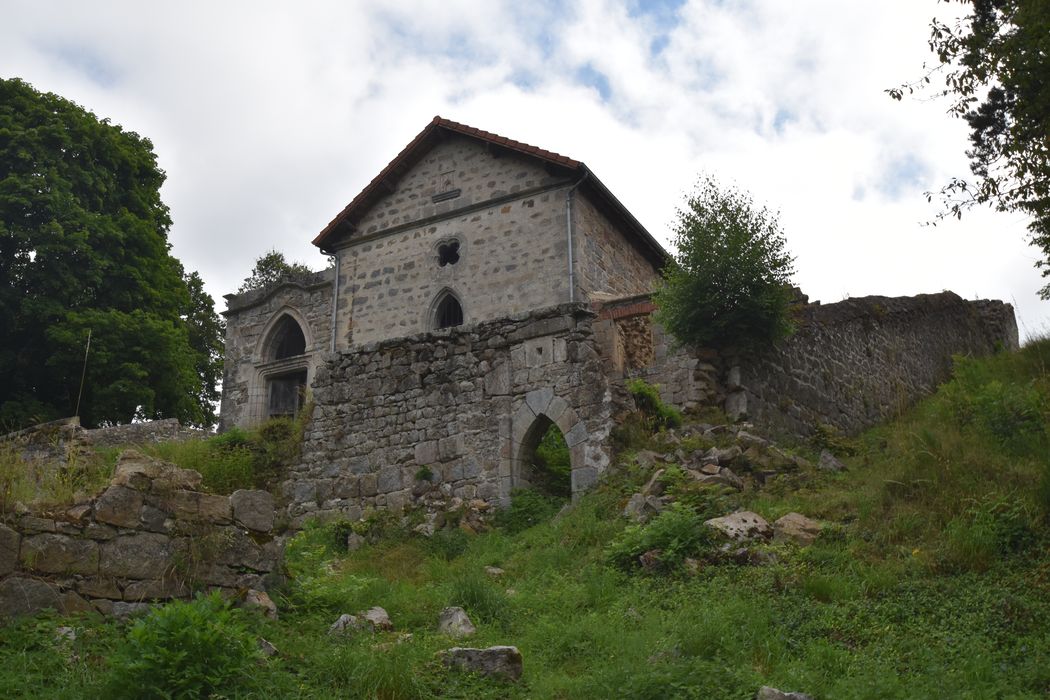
x=271 y=268
x=995 y=63
x=729 y=284
x=83 y=246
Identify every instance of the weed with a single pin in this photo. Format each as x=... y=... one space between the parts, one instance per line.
x=647 y=398
x=479 y=596
x=676 y=533
x=199 y=649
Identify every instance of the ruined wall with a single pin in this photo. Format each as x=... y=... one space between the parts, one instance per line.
x=633 y=345
x=509 y=221
x=607 y=264
x=466 y=403
x=856 y=362
x=151 y=535
x=250 y=318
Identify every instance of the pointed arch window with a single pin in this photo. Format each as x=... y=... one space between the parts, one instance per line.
x=287 y=339
x=448 y=312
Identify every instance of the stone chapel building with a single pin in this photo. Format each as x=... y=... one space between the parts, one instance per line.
x=462 y=227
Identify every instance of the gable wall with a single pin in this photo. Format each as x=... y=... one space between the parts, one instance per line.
x=512 y=251
x=606 y=263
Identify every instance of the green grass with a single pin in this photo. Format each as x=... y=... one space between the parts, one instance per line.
x=931 y=580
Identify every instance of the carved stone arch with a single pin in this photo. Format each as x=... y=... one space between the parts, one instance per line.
x=540 y=409
x=445 y=302
x=283 y=366
x=270 y=336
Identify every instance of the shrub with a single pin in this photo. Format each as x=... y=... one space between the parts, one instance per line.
x=677 y=532
x=647 y=398
x=195 y=649
x=729 y=283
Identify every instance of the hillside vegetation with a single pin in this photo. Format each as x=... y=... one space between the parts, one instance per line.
x=930 y=579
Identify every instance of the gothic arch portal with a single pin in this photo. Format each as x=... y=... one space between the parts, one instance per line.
x=540 y=409
x=283 y=364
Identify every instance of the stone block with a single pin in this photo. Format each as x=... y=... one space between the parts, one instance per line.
x=155 y=589
x=253 y=509
x=388 y=480
x=583 y=478
x=59 y=554
x=9 y=544
x=213 y=508
x=30 y=524
x=576 y=435
x=426 y=452
x=556 y=408
x=450 y=447
x=232 y=547
x=499 y=662
x=368 y=485
x=144 y=555
x=497 y=381
x=97 y=531
x=97 y=587
x=538 y=399
x=344 y=487
x=156 y=520
x=25 y=596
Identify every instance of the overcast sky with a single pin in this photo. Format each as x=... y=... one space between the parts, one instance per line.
x=269 y=117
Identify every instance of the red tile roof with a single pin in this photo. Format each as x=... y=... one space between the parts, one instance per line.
x=385 y=181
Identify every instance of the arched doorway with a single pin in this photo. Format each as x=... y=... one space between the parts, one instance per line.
x=529 y=424
x=546 y=463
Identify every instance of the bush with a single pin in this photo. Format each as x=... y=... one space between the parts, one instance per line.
x=658 y=415
x=677 y=532
x=195 y=649
x=240 y=459
x=729 y=284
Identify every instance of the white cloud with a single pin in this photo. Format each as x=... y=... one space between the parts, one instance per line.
x=269 y=118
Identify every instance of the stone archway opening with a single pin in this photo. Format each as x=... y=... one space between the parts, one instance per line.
x=545 y=461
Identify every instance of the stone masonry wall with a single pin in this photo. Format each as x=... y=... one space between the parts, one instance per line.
x=607 y=264
x=633 y=345
x=856 y=362
x=149 y=536
x=509 y=220
x=468 y=403
x=250 y=318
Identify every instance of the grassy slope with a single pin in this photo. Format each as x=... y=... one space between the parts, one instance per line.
x=933 y=581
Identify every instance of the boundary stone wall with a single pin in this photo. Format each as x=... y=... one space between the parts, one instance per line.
x=149 y=536
x=856 y=362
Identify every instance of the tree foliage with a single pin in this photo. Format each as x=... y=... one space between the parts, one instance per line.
x=995 y=63
x=271 y=268
x=729 y=284
x=83 y=247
